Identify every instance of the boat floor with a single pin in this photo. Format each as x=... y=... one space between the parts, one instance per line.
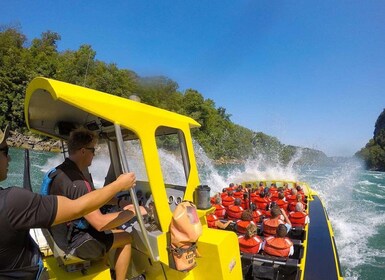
x=320 y=261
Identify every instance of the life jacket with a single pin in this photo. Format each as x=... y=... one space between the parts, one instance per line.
x=234 y=212
x=242 y=225
x=291 y=206
x=245 y=203
x=80 y=223
x=228 y=201
x=211 y=220
x=277 y=246
x=261 y=202
x=274 y=194
x=185 y=229
x=212 y=199
x=291 y=198
x=270 y=226
x=297 y=219
x=257 y=214
x=220 y=211
x=282 y=204
x=238 y=194
x=250 y=245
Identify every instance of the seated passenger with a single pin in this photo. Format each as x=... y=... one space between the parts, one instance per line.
x=234 y=212
x=220 y=210
x=281 y=202
x=228 y=200
x=238 y=193
x=246 y=219
x=299 y=217
x=214 y=222
x=250 y=242
x=257 y=213
x=270 y=225
x=292 y=197
x=279 y=245
x=245 y=201
x=291 y=206
x=261 y=201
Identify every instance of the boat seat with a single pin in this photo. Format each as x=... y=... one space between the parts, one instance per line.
x=68 y=262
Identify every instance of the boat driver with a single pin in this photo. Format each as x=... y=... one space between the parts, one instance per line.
x=21 y=210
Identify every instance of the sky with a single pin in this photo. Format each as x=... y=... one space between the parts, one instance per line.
x=311 y=73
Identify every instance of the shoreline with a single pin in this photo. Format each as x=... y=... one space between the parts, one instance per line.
x=42 y=143
x=32 y=142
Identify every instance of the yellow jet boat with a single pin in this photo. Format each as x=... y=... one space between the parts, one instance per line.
x=136 y=136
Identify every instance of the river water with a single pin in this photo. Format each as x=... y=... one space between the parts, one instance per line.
x=354 y=198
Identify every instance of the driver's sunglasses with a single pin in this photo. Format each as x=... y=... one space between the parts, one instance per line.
x=91 y=149
x=5 y=150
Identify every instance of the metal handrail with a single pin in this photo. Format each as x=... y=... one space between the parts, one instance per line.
x=125 y=168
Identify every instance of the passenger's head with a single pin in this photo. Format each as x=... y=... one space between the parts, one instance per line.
x=299 y=207
x=247 y=215
x=262 y=194
x=231 y=185
x=294 y=191
x=218 y=200
x=237 y=201
x=4 y=157
x=275 y=211
x=81 y=145
x=299 y=197
x=253 y=207
x=281 y=195
x=281 y=230
x=251 y=229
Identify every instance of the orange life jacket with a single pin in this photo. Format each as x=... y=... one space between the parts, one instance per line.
x=257 y=215
x=234 y=212
x=250 y=245
x=211 y=220
x=297 y=219
x=277 y=246
x=261 y=202
x=220 y=210
x=282 y=204
x=242 y=225
x=228 y=201
x=291 y=206
x=291 y=198
x=270 y=226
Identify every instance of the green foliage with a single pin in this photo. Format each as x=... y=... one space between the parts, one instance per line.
x=219 y=137
x=374 y=151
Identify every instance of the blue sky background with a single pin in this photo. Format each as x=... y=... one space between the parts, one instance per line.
x=311 y=73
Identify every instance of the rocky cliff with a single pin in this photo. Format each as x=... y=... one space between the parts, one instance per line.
x=374 y=152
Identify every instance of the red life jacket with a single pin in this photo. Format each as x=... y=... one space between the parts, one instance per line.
x=220 y=211
x=242 y=225
x=282 y=204
x=277 y=246
x=270 y=226
x=228 y=201
x=211 y=220
x=257 y=216
x=261 y=202
x=234 y=212
x=297 y=219
x=238 y=194
x=250 y=245
x=292 y=205
x=291 y=198
x=245 y=203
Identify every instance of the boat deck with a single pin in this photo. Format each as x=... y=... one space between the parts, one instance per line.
x=320 y=261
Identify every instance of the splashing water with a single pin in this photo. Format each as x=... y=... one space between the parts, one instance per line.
x=354 y=198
